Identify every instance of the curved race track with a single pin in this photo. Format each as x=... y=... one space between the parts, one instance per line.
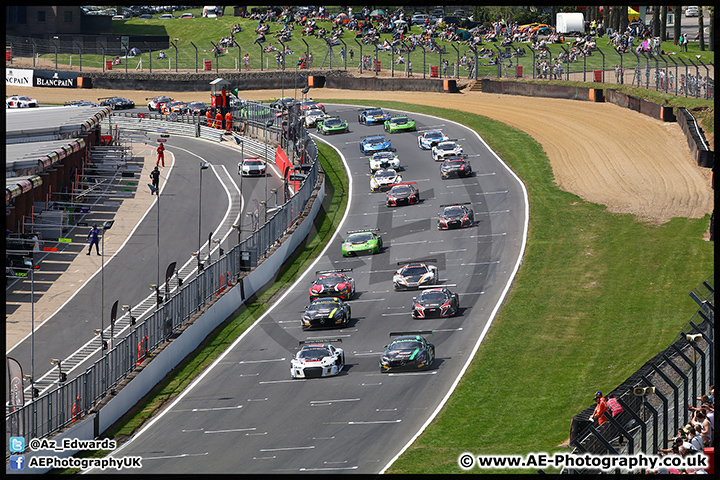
x=246 y=415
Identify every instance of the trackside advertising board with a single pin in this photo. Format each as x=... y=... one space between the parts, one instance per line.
x=19 y=77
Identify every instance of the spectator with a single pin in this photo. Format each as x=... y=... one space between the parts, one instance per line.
x=694 y=437
x=613 y=405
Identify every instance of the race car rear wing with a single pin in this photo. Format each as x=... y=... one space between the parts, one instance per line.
x=363 y=231
x=412 y=332
x=318 y=272
x=320 y=341
x=422 y=260
x=406 y=183
x=455 y=204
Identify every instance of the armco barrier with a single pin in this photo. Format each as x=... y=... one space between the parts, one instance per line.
x=695 y=138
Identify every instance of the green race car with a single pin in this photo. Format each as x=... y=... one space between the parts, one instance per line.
x=332 y=125
x=400 y=124
x=362 y=241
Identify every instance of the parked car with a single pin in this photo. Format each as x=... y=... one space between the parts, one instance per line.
x=692 y=11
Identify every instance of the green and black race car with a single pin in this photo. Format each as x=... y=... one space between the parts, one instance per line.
x=332 y=125
x=362 y=241
x=400 y=124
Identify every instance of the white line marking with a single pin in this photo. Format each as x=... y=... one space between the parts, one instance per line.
x=263 y=361
x=286 y=448
x=317 y=402
x=374 y=422
x=213 y=409
x=232 y=430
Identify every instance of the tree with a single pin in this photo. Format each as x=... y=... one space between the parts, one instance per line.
x=663 y=23
x=623 y=17
x=656 y=21
x=701 y=26
x=676 y=28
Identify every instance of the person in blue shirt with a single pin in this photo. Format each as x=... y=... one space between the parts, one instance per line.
x=93 y=237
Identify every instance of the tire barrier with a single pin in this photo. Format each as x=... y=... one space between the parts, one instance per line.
x=696 y=139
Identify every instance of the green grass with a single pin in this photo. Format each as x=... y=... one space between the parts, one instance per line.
x=598 y=294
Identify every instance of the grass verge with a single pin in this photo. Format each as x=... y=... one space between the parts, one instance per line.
x=597 y=296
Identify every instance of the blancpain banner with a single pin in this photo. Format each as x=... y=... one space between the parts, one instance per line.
x=15 y=77
x=51 y=78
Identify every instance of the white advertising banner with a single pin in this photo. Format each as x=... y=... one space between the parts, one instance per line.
x=16 y=77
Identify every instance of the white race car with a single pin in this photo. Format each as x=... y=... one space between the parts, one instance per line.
x=414 y=275
x=317 y=359
x=312 y=116
x=21 y=101
x=446 y=149
x=252 y=167
x=384 y=179
x=429 y=139
x=384 y=160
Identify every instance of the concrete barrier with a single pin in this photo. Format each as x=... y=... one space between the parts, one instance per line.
x=699 y=146
x=645 y=107
x=537 y=90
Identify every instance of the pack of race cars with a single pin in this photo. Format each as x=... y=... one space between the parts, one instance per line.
x=332 y=291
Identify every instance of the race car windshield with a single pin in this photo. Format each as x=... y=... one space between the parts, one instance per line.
x=322 y=306
x=375 y=140
x=385 y=174
x=454 y=163
x=331 y=280
x=446 y=146
x=314 y=113
x=434 y=297
x=377 y=112
x=400 y=120
x=333 y=121
x=360 y=238
x=403 y=189
x=405 y=345
x=433 y=135
x=314 y=353
x=453 y=211
x=414 y=270
x=383 y=156
x=253 y=162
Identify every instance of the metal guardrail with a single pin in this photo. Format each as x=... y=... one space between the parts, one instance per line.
x=48 y=413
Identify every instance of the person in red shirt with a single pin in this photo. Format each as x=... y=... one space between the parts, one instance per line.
x=161 y=155
x=613 y=405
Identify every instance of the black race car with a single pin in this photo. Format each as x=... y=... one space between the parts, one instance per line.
x=408 y=351
x=333 y=283
x=402 y=194
x=195 y=108
x=455 y=215
x=330 y=312
x=436 y=302
x=117 y=103
x=455 y=166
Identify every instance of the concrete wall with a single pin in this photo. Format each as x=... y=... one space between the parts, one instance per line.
x=536 y=89
x=645 y=107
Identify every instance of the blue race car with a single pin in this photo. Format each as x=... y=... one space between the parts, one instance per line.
x=429 y=139
x=370 y=145
x=373 y=116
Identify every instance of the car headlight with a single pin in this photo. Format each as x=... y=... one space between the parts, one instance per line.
x=384 y=360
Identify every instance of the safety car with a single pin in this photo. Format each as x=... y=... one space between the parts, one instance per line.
x=21 y=101
x=383 y=160
x=374 y=144
x=427 y=140
x=252 y=167
x=400 y=124
x=313 y=116
x=373 y=116
x=117 y=103
x=446 y=149
x=384 y=179
x=362 y=241
x=455 y=215
x=330 y=125
x=408 y=350
x=455 y=166
x=333 y=283
x=415 y=274
x=317 y=358
x=402 y=194
x=156 y=103
x=436 y=302
x=328 y=312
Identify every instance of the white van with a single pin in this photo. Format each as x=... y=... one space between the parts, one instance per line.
x=212 y=11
